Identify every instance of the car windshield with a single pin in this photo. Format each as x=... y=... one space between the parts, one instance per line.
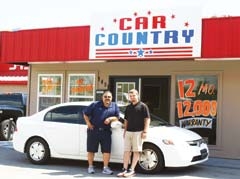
x=155 y=120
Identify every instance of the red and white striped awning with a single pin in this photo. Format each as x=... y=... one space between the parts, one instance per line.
x=13 y=74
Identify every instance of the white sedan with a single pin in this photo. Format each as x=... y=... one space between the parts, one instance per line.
x=60 y=131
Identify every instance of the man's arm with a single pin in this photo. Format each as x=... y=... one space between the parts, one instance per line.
x=110 y=119
x=87 y=120
x=113 y=118
x=146 y=124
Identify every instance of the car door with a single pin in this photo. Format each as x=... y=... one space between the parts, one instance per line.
x=62 y=129
x=83 y=136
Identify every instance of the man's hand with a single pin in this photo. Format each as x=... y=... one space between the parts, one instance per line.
x=110 y=119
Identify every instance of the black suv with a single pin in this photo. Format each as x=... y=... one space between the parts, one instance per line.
x=12 y=106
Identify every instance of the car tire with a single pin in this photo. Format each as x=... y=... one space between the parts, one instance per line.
x=4 y=129
x=151 y=159
x=37 y=151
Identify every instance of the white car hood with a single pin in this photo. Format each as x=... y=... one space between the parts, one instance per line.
x=175 y=133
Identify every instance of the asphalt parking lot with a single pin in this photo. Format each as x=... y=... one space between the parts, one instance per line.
x=224 y=163
x=15 y=165
x=215 y=162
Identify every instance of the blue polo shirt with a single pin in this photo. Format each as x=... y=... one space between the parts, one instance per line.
x=97 y=113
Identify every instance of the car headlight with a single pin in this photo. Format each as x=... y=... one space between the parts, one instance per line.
x=196 y=142
x=168 y=142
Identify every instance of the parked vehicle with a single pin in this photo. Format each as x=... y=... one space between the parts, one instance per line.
x=60 y=131
x=12 y=106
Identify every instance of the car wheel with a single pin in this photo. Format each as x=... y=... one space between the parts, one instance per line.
x=37 y=151
x=151 y=159
x=4 y=129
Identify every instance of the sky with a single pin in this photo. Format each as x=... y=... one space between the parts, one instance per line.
x=31 y=14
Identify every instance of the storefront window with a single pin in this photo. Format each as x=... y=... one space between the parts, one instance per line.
x=49 y=90
x=122 y=90
x=81 y=87
x=196 y=104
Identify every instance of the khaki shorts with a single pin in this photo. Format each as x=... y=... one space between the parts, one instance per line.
x=133 y=141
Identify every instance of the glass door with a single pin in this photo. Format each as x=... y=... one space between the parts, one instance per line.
x=120 y=87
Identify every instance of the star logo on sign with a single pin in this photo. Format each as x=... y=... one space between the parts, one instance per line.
x=140 y=52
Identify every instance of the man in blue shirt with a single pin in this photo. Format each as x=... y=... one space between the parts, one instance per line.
x=98 y=117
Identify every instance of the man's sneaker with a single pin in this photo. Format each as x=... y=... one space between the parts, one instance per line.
x=107 y=170
x=129 y=173
x=121 y=174
x=91 y=170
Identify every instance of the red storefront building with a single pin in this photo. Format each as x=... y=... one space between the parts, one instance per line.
x=194 y=92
